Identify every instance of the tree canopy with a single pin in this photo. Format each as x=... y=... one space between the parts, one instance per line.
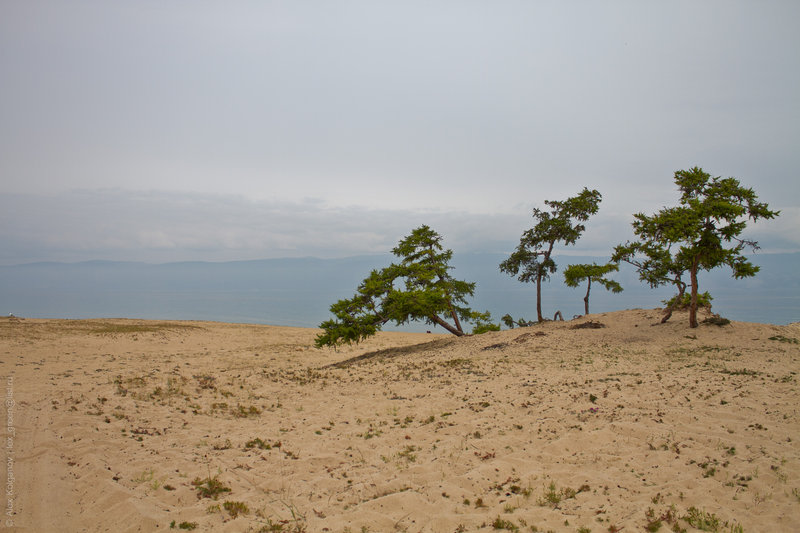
x=701 y=233
x=418 y=287
x=532 y=259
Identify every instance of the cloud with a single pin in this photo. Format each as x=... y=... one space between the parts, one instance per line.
x=398 y=106
x=160 y=226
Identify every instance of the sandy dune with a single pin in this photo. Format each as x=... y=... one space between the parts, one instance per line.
x=121 y=425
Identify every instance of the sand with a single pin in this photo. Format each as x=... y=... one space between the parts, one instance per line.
x=117 y=425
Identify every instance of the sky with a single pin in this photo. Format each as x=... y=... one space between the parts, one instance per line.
x=200 y=130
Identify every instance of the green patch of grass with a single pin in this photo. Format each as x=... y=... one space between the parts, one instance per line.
x=145 y=476
x=700 y=350
x=457 y=362
x=781 y=338
x=371 y=432
x=716 y=320
x=408 y=453
x=296 y=525
x=205 y=381
x=508 y=525
x=210 y=487
x=551 y=496
x=702 y=520
x=257 y=443
x=243 y=411
x=656 y=520
x=189 y=526
x=740 y=372
x=236 y=508
x=111 y=328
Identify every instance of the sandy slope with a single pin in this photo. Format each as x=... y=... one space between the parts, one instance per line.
x=542 y=428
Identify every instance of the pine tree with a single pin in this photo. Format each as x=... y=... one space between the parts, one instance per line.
x=419 y=287
x=532 y=259
x=701 y=233
x=575 y=274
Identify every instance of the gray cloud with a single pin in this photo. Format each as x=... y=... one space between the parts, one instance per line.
x=285 y=122
x=161 y=227
x=157 y=226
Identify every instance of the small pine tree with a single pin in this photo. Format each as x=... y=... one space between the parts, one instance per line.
x=575 y=274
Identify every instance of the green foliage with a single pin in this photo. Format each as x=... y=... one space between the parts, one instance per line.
x=782 y=338
x=236 y=508
x=685 y=301
x=419 y=287
x=508 y=525
x=575 y=274
x=483 y=323
x=702 y=520
x=716 y=320
x=509 y=321
x=532 y=259
x=210 y=487
x=701 y=233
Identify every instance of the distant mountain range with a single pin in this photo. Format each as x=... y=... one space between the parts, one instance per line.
x=299 y=291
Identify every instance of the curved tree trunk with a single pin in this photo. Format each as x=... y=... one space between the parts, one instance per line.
x=455 y=317
x=436 y=320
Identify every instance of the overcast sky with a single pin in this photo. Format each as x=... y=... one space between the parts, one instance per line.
x=175 y=130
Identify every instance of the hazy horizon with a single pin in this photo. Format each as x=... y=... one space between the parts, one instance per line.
x=299 y=291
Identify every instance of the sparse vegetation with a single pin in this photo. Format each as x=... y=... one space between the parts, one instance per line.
x=783 y=338
x=508 y=525
x=702 y=520
x=260 y=444
x=552 y=496
x=475 y=432
x=122 y=328
x=236 y=508
x=210 y=487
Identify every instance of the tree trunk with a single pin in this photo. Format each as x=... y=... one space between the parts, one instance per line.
x=539 y=316
x=452 y=311
x=586 y=298
x=455 y=317
x=436 y=320
x=693 y=301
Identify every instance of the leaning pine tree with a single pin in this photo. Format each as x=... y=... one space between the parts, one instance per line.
x=419 y=287
x=701 y=233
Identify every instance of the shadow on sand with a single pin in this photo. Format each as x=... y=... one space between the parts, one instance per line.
x=389 y=353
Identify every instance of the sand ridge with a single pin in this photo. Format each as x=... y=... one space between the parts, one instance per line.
x=119 y=425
